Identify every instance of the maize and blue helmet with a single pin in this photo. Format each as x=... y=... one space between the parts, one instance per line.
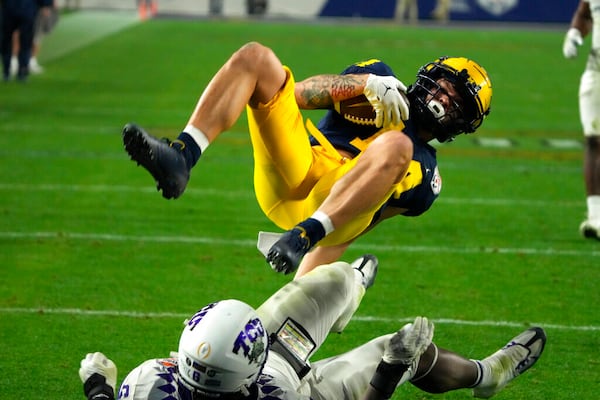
x=471 y=82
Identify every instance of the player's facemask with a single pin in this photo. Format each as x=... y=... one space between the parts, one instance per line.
x=465 y=112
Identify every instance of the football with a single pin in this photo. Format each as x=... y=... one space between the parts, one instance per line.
x=357 y=110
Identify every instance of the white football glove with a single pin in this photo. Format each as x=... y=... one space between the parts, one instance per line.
x=573 y=39
x=387 y=96
x=98 y=363
x=409 y=343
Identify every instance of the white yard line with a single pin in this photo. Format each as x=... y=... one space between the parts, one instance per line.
x=252 y=243
x=50 y=187
x=357 y=318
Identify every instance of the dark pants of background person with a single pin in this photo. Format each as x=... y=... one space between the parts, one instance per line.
x=23 y=20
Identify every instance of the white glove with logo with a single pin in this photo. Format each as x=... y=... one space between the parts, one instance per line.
x=409 y=343
x=387 y=96
x=98 y=363
x=573 y=39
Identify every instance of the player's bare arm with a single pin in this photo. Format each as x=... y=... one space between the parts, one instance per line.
x=582 y=19
x=321 y=91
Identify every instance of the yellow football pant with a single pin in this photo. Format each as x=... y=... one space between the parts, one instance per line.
x=291 y=177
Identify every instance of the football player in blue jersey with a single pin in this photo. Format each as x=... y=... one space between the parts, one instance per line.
x=229 y=351
x=329 y=184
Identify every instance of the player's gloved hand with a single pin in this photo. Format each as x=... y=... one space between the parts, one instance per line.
x=573 y=39
x=409 y=343
x=387 y=96
x=401 y=356
x=99 y=376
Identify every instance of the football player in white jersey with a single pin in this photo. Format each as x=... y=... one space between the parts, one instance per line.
x=228 y=350
x=586 y=21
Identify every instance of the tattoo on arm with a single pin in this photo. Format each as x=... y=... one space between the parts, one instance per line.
x=322 y=91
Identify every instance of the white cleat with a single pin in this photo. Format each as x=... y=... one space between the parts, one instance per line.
x=590 y=229
x=511 y=361
x=14 y=66
x=34 y=67
x=367 y=266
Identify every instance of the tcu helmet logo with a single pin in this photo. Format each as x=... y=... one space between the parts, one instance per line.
x=196 y=318
x=497 y=7
x=250 y=341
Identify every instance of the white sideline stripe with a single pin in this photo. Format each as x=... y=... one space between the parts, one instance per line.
x=250 y=194
x=120 y=188
x=358 y=318
x=252 y=243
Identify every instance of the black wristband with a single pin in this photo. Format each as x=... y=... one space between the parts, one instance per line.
x=386 y=377
x=96 y=388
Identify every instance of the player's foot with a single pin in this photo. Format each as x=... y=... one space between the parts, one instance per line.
x=34 y=67
x=367 y=265
x=22 y=74
x=511 y=361
x=286 y=253
x=590 y=229
x=14 y=66
x=165 y=163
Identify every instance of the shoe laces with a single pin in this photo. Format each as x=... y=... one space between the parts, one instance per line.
x=514 y=351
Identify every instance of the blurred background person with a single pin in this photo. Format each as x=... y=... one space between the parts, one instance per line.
x=407 y=10
x=586 y=20
x=19 y=15
x=147 y=8
x=256 y=7
x=44 y=24
x=215 y=7
x=441 y=12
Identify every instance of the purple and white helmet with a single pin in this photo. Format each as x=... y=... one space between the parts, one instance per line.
x=222 y=351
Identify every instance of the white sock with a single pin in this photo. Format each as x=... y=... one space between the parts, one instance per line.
x=325 y=221
x=593 y=206
x=198 y=136
x=479 y=372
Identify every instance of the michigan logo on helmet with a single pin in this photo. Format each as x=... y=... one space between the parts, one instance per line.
x=465 y=114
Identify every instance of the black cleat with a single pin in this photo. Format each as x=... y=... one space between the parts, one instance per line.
x=286 y=253
x=590 y=229
x=166 y=164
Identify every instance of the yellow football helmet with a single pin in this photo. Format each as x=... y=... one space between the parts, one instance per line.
x=466 y=114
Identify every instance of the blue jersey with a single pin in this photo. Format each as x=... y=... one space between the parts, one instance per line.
x=23 y=8
x=340 y=132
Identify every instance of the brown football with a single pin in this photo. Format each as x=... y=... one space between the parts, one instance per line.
x=357 y=110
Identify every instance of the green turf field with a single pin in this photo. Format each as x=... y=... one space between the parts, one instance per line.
x=93 y=258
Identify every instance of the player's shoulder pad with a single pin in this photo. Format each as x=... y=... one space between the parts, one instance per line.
x=371 y=66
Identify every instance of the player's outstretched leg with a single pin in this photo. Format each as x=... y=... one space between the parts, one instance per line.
x=367 y=265
x=365 y=270
x=510 y=361
x=165 y=163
